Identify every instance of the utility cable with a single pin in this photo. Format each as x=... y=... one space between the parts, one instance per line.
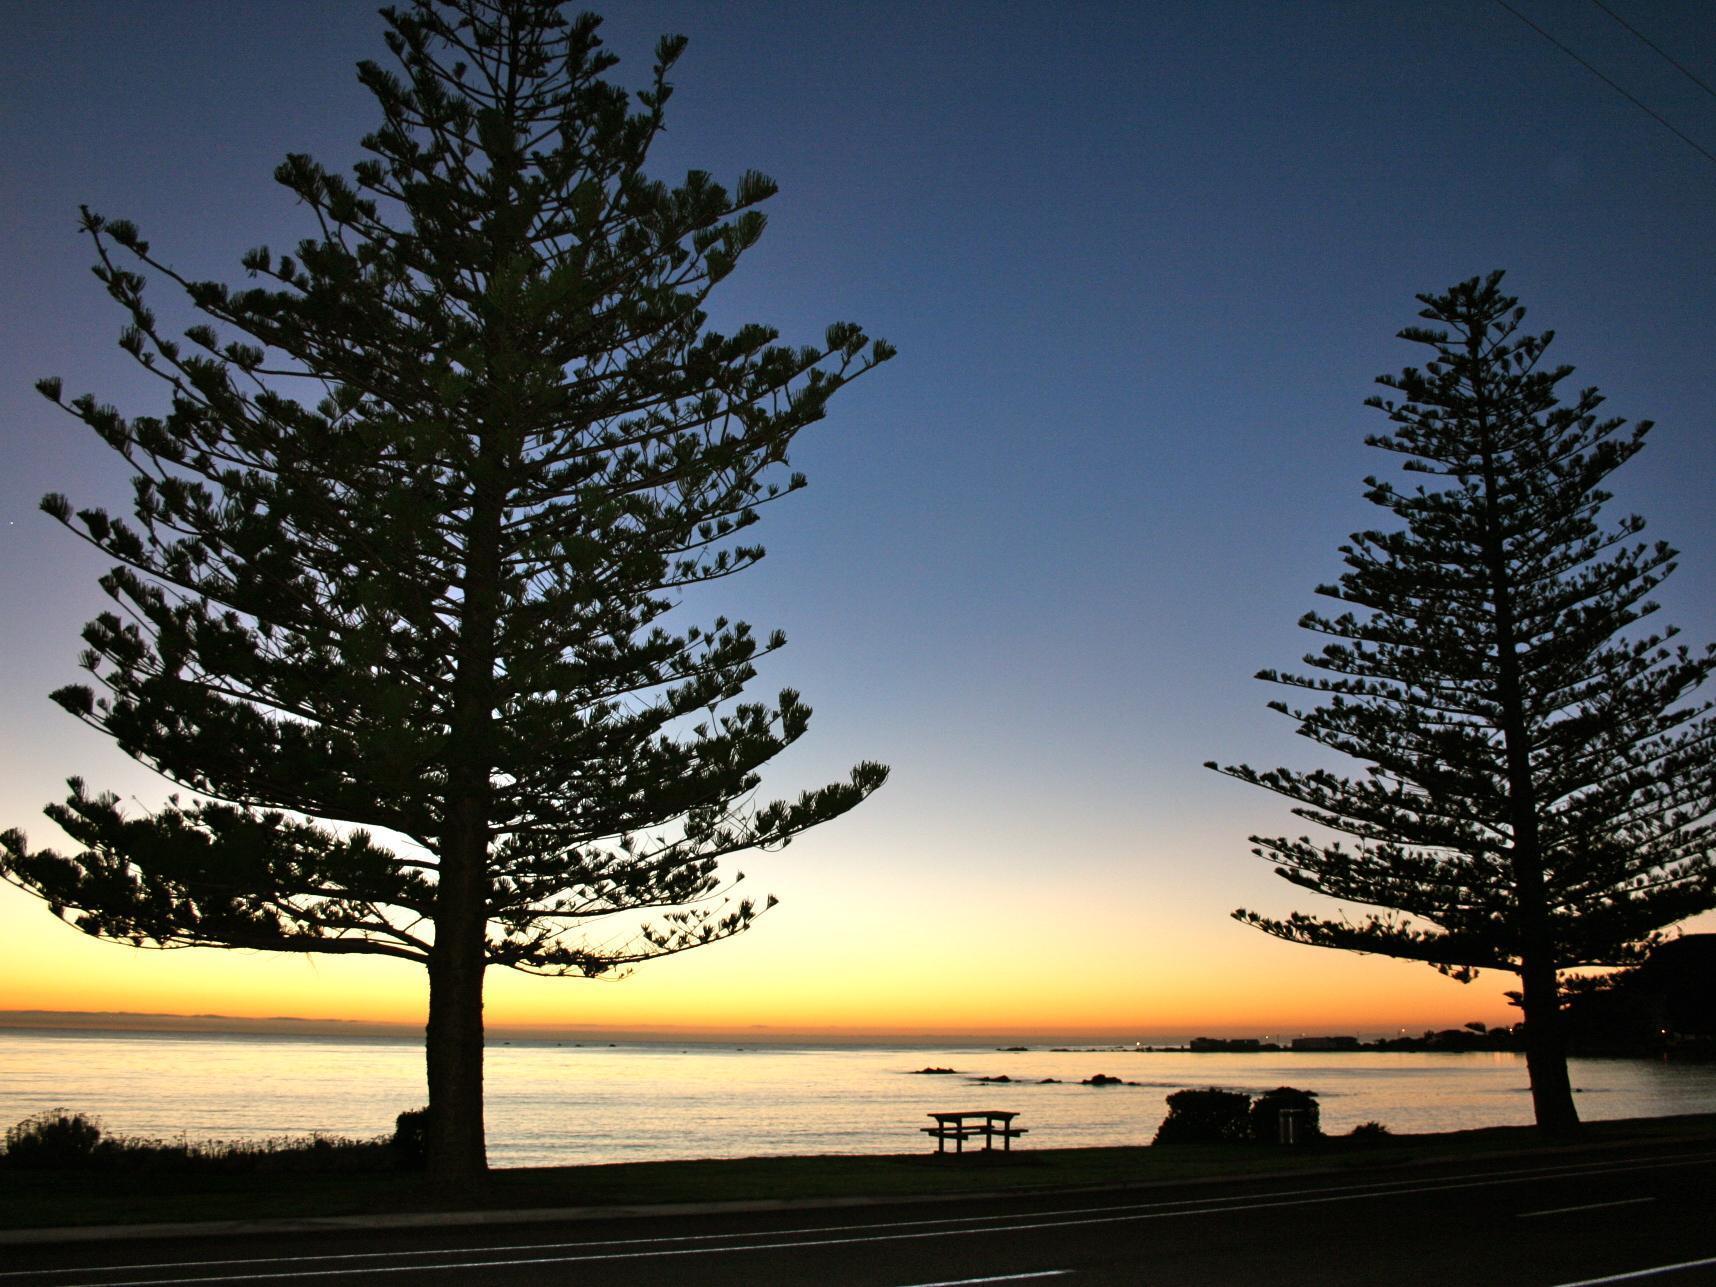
x=1651 y=112
x=1666 y=56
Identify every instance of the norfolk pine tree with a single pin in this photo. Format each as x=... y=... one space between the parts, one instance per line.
x=403 y=641
x=1539 y=789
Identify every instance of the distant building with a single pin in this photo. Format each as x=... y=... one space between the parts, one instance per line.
x=1325 y=1043
x=1206 y=1044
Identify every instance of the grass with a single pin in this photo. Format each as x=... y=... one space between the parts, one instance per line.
x=35 y=1199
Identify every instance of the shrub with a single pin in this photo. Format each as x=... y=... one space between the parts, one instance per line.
x=410 y=1147
x=318 y=1154
x=1369 y=1131
x=1204 y=1116
x=66 y=1141
x=56 y=1140
x=1266 y=1114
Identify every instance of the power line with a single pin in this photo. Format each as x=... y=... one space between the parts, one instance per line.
x=1667 y=57
x=1651 y=112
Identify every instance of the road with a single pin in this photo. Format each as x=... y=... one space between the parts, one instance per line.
x=1641 y=1217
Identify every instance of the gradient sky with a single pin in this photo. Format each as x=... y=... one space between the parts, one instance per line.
x=1142 y=263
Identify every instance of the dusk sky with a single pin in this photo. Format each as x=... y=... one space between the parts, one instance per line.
x=1142 y=263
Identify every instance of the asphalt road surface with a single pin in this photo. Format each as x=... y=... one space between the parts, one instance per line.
x=1646 y=1216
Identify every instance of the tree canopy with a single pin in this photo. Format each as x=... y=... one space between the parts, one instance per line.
x=392 y=601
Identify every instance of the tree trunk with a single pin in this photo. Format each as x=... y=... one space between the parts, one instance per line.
x=1546 y=1051
x=453 y=1044
x=454 y=1041
x=1545 y=1045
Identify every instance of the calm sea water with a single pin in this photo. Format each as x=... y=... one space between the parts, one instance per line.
x=550 y=1104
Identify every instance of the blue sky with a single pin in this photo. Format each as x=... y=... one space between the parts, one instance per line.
x=1142 y=263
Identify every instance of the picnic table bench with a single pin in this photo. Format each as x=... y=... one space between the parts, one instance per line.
x=987 y=1123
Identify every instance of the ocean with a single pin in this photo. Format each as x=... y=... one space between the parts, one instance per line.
x=555 y=1103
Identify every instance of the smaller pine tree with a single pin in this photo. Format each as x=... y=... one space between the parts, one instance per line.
x=1539 y=790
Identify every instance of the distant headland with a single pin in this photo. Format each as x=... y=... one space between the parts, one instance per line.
x=130 y=1021
x=1474 y=1036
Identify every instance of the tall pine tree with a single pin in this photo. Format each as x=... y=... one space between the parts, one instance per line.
x=404 y=639
x=1540 y=790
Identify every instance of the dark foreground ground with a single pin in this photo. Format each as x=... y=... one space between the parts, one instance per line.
x=43 y=1201
x=1620 y=1210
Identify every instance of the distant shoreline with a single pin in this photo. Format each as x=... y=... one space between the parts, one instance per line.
x=133 y=1022
x=500 y=1033
x=164 y=1024
x=129 y=1023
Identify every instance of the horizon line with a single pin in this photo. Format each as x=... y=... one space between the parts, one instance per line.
x=279 y=1025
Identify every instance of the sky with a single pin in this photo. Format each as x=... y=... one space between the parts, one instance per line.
x=1142 y=264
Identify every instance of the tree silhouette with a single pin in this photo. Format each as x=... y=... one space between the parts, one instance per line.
x=1539 y=789
x=404 y=640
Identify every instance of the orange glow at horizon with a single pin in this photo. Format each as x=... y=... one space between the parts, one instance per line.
x=882 y=930
x=787 y=977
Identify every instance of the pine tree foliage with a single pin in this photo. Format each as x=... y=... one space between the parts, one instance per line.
x=410 y=626
x=1539 y=792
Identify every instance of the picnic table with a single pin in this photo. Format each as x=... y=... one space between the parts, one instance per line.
x=970 y=1124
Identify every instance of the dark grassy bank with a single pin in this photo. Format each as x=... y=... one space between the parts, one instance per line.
x=50 y=1198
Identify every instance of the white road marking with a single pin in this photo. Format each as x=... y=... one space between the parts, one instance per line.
x=1002 y=1278
x=1589 y=1206
x=1656 y=1271
x=644 y=1248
